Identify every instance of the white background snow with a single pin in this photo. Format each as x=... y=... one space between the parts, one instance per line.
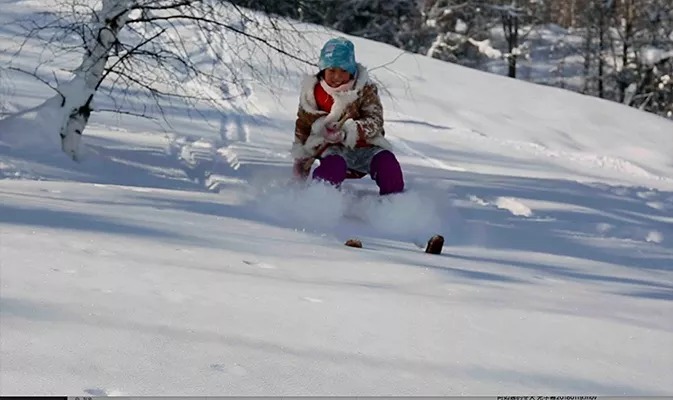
x=119 y=275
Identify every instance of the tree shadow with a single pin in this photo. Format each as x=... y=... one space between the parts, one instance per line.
x=566 y=272
x=61 y=219
x=666 y=295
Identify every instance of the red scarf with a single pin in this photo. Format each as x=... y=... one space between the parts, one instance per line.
x=325 y=101
x=323 y=93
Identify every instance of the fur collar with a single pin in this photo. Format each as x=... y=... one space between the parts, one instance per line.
x=343 y=88
x=341 y=99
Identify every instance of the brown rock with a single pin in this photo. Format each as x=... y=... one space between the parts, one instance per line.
x=435 y=245
x=354 y=243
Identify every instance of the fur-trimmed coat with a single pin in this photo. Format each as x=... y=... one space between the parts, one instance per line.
x=362 y=104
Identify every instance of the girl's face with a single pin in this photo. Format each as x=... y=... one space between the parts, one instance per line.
x=336 y=77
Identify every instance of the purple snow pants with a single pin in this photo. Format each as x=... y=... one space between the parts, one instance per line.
x=383 y=168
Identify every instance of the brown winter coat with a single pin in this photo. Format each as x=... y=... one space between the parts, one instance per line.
x=362 y=104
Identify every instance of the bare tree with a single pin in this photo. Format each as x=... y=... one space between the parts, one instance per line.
x=597 y=16
x=641 y=40
x=518 y=21
x=162 y=50
x=624 y=21
x=510 y=26
x=455 y=30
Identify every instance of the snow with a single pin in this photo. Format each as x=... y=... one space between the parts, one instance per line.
x=653 y=55
x=124 y=275
x=514 y=206
x=485 y=48
x=655 y=237
x=461 y=26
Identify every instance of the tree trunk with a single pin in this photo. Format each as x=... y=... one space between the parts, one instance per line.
x=573 y=13
x=626 y=43
x=601 y=49
x=510 y=25
x=602 y=28
x=77 y=94
x=514 y=44
x=588 y=50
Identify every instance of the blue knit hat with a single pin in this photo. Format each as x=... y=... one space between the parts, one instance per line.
x=338 y=53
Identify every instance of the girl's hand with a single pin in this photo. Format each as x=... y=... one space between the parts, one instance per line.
x=333 y=133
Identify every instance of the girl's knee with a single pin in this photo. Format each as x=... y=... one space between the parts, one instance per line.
x=385 y=160
x=334 y=161
x=332 y=169
x=387 y=172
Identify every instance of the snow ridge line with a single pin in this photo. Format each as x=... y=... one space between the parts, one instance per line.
x=406 y=149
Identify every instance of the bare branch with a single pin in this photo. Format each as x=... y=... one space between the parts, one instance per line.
x=130 y=53
x=393 y=61
x=117 y=111
x=36 y=76
x=226 y=26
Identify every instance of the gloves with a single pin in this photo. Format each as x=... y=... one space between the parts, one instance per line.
x=333 y=133
x=348 y=134
x=351 y=131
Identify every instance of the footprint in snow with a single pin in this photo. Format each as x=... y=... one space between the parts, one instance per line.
x=50 y=191
x=312 y=299
x=234 y=369
x=259 y=264
x=217 y=367
x=102 y=392
x=65 y=271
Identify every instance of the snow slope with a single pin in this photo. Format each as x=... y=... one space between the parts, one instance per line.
x=120 y=275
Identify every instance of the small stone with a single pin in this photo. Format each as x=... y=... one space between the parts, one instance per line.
x=354 y=243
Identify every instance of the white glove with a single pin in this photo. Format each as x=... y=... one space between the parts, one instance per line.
x=332 y=133
x=352 y=133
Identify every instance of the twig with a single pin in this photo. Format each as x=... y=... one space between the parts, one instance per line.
x=127 y=113
x=393 y=61
x=34 y=75
x=226 y=26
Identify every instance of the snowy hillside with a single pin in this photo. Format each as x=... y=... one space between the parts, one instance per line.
x=128 y=274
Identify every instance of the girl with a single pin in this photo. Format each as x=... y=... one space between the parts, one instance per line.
x=340 y=122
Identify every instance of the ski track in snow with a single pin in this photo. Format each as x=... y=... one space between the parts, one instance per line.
x=404 y=148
